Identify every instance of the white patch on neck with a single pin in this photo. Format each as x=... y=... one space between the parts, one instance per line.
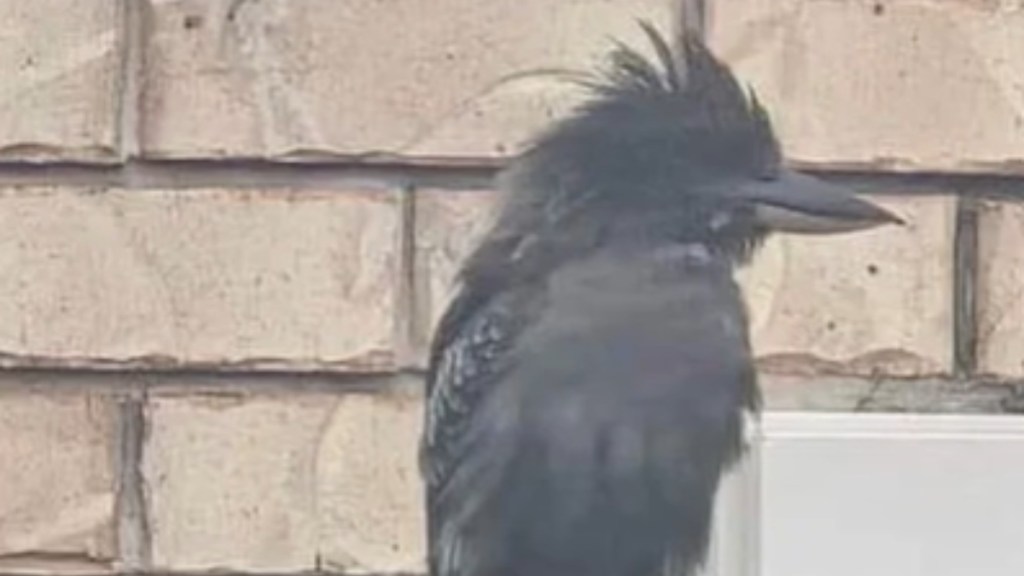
x=692 y=253
x=720 y=220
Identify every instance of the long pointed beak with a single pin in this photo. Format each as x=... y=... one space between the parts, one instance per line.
x=796 y=202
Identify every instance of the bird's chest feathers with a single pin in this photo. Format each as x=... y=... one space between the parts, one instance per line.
x=639 y=322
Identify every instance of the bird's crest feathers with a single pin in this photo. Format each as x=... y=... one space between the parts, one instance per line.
x=651 y=123
x=686 y=81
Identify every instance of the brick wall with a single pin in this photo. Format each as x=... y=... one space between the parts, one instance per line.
x=226 y=227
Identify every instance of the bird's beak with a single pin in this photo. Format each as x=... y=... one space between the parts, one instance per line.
x=799 y=203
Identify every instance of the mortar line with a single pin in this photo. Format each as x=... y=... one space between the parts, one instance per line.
x=468 y=174
x=694 y=17
x=134 y=540
x=129 y=95
x=782 y=392
x=139 y=174
x=406 y=318
x=965 y=268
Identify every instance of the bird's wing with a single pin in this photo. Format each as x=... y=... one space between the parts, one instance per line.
x=464 y=365
x=467 y=439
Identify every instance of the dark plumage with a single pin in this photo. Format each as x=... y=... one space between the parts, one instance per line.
x=587 y=385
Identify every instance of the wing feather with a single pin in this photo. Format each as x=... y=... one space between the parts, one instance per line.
x=467 y=438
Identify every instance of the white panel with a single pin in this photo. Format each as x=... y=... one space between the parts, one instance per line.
x=734 y=549
x=891 y=495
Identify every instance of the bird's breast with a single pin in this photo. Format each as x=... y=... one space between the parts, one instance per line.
x=657 y=325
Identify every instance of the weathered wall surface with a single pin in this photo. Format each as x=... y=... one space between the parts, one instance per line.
x=227 y=227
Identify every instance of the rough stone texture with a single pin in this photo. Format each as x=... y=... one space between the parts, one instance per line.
x=926 y=85
x=61 y=61
x=229 y=481
x=873 y=301
x=306 y=77
x=1000 y=289
x=271 y=482
x=56 y=477
x=368 y=486
x=876 y=301
x=303 y=280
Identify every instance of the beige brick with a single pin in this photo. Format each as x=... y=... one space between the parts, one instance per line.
x=1000 y=289
x=448 y=225
x=878 y=300
x=265 y=278
x=275 y=482
x=278 y=78
x=369 y=493
x=229 y=481
x=61 y=61
x=56 y=477
x=873 y=301
x=923 y=85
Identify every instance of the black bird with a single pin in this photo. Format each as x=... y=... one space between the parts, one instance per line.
x=588 y=383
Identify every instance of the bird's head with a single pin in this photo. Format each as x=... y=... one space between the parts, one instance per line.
x=674 y=147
